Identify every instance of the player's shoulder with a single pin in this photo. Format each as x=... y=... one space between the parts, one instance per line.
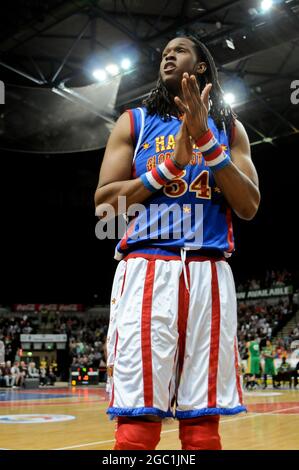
x=238 y=132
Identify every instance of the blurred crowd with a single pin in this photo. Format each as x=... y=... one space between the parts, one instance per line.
x=15 y=375
x=86 y=333
x=264 y=320
x=272 y=278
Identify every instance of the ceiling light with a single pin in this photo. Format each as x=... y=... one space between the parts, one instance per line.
x=229 y=98
x=125 y=64
x=230 y=43
x=99 y=74
x=112 y=69
x=266 y=5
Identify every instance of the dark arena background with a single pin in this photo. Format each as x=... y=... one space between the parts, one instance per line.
x=68 y=69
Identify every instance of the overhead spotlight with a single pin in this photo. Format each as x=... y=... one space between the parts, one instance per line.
x=112 y=69
x=266 y=5
x=229 y=98
x=100 y=75
x=125 y=64
x=230 y=43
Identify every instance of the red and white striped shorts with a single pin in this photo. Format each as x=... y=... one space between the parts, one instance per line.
x=172 y=339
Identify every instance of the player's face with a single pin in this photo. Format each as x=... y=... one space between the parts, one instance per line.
x=179 y=56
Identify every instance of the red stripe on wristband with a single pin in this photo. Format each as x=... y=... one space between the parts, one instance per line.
x=212 y=156
x=172 y=168
x=157 y=177
x=204 y=139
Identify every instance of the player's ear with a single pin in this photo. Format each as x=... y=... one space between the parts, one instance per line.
x=201 y=68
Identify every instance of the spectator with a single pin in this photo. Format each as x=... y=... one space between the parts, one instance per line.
x=17 y=377
x=284 y=373
x=33 y=371
x=51 y=376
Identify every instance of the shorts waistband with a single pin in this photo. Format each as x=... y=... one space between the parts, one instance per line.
x=191 y=255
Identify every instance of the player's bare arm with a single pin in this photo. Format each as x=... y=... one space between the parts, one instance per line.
x=238 y=180
x=115 y=175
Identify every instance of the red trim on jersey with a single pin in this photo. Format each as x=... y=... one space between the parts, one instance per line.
x=123 y=244
x=239 y=388
x=230 y=238
x=184 y=298
x=214 y=340
x=132 y=126
x=146 y=342
x=134 y=173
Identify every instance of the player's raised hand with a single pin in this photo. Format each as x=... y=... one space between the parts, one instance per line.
x=183 y=145
x=194 y=106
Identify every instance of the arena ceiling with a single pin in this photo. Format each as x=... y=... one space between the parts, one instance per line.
x=49 y=50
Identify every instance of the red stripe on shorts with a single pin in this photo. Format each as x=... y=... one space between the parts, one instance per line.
x=239 y=388
x=146 y=342
x=116 y=339
x=214 y=340
x=184 y=298
x=112 y=393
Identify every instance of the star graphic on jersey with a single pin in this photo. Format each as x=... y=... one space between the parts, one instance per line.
x=113 y=301
x=186 y=209
x=146 y=145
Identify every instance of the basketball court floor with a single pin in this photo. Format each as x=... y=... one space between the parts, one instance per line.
x=74 y=418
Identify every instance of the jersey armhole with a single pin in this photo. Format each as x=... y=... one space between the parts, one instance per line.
x=232 y=133
x=132 y=126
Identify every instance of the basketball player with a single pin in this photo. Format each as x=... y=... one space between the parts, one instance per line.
x=172 y=347
x=269 y=369
x=254 y=360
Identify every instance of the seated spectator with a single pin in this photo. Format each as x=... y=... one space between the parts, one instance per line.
x=295 y=333
x=284 y=373
x=2 y=379
x=7 y=374
x=33 y=372
x=43 y=376
x=17 y=376
x=23 y=371
x=51 y=376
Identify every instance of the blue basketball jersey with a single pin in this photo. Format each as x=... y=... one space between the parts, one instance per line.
x=189 y=212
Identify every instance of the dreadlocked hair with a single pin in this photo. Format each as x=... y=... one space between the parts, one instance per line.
x=160 y=101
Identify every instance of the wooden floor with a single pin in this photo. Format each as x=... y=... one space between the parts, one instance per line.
x=271 y=423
